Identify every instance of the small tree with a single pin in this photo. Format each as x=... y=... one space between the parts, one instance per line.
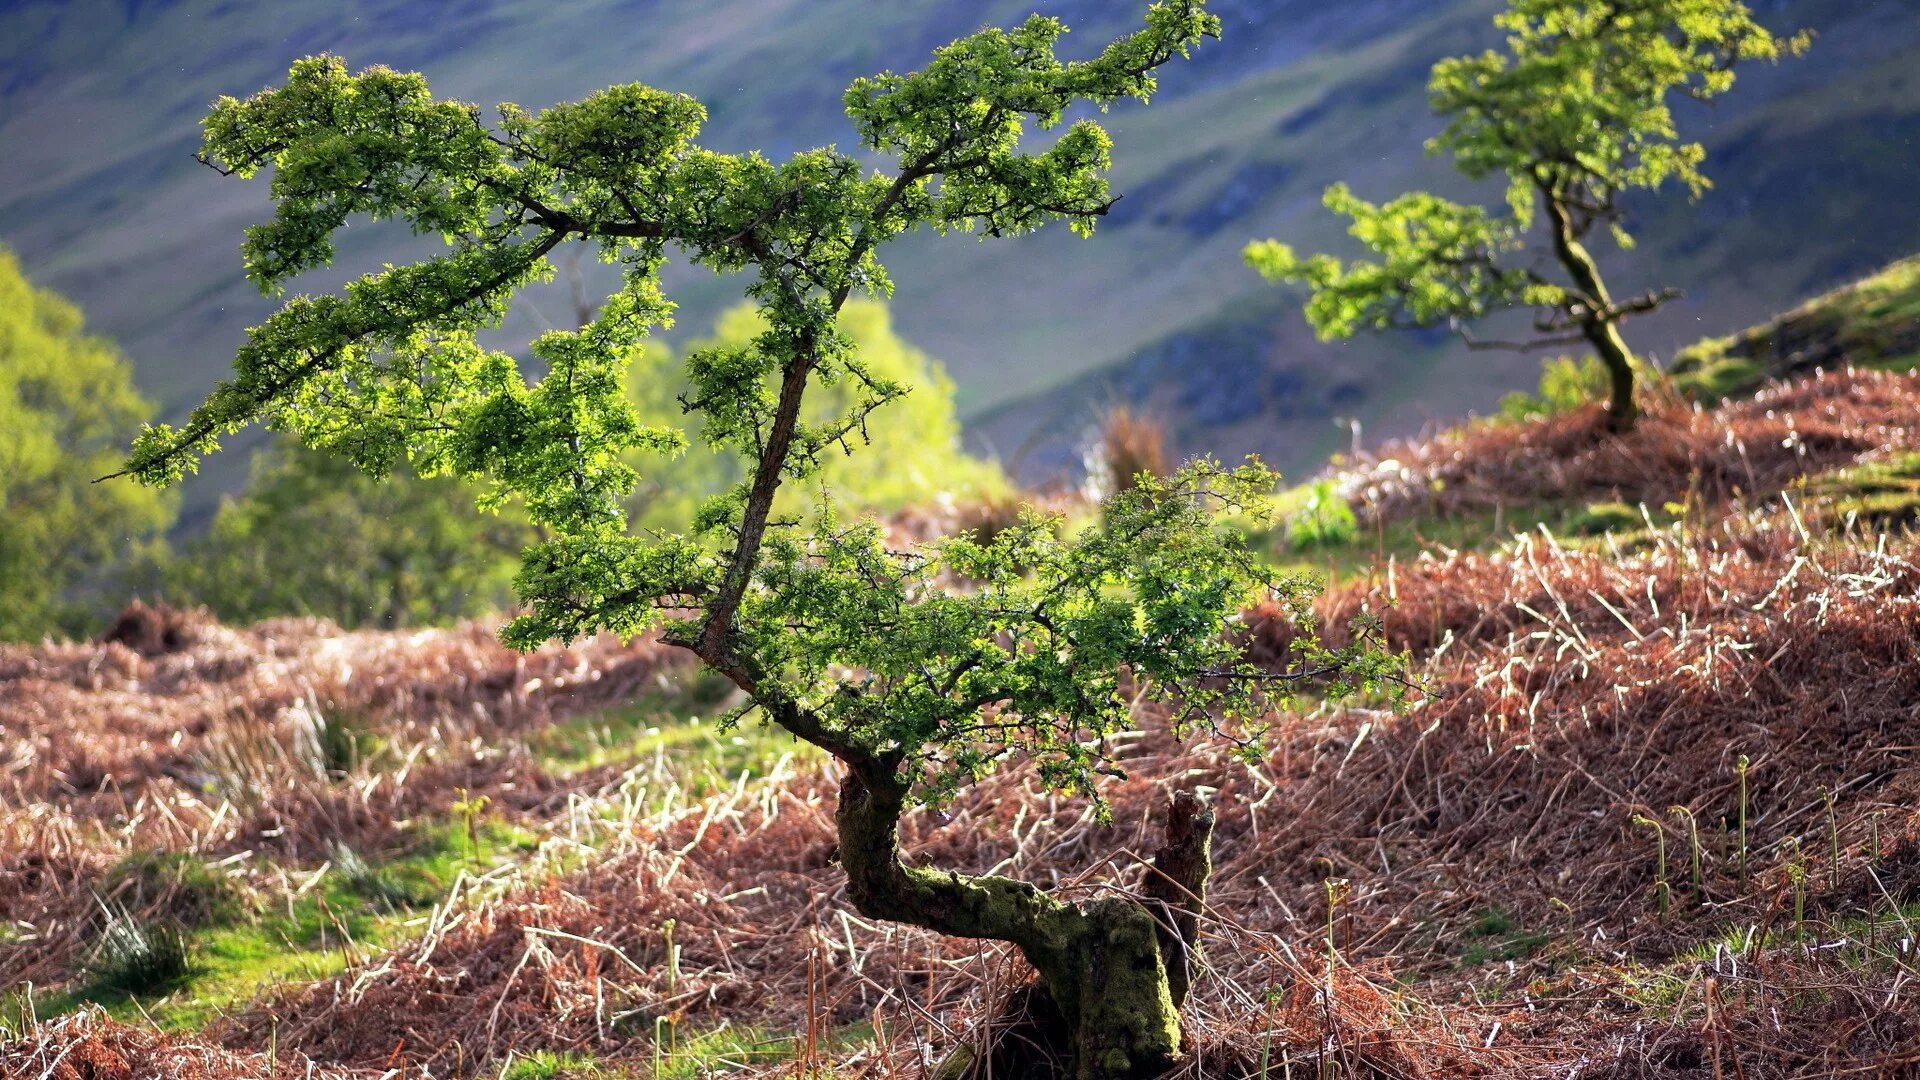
x=1574 y=114
x=917 y=688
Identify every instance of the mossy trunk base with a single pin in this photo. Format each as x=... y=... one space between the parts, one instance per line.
x=1113 y=971
x=1112 y=1018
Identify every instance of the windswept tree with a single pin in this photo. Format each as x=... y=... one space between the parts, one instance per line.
x=1574 y=114
x=917 y=687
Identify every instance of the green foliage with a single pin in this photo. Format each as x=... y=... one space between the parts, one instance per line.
x=1566 y=383
x=1573 y=113
x=313 y=535
x=1438 y=262
x=908 y=453
x=918 y=684
x=1586 y=89
x=1324 y=519
x=67 y=403
x=388 y=372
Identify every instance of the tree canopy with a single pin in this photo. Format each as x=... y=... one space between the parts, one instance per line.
x=918 y=670
x=1573 y=114
x=910 y=452
x=67 y=406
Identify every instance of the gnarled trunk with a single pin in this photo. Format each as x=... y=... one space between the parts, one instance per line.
x=1622 y=409
x=1600 y=322
x=1113 y=971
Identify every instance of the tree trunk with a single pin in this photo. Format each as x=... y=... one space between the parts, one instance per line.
x=1622 y=408
x=1599 y=323
x=1113 y=971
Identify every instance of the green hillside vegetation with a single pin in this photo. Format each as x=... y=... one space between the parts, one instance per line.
x=313 y=535
x=1166 y=317
x=67 y=403
x=1874 y=322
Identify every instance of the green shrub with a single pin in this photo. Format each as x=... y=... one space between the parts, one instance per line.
x=1566 y=384
x=1325 y=520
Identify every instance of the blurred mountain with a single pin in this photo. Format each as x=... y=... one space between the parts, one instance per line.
x=1815 y=162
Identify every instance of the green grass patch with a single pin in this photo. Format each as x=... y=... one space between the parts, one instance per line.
x=186 y=942
x=1574 y=525
x=186 y=976
x=682 y=732
x=687 y=1056
x=1871 y=323
x=731 y=1048
x=547 y=1065
x=1884 y=493
x=1495 y=937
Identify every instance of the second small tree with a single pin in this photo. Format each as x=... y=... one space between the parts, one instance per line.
x=1574 y=113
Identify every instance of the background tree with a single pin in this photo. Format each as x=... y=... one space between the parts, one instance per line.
x=67 y=405
x=313 y=535
x=915 y=688
x=910 y=451
x=1576 y=112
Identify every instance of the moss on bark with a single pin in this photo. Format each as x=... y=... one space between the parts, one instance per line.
x=1107 y=1004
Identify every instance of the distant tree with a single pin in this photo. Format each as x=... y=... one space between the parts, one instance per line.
x=67 y=406
x=1574 y=113
x=917 y=689
x=910 y=451
x=314 y=535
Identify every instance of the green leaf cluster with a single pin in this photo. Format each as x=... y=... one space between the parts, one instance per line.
x=1574 y=112
x=906 y=454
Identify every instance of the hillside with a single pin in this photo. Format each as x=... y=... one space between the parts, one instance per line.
x=1873 y=322
x=99 y=105
x=1649 y=813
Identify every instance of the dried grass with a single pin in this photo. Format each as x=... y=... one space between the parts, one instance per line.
x=1677 y=453
x=1571 y=692
x=1498 y=916
x=89 y=1045
x=211 y=740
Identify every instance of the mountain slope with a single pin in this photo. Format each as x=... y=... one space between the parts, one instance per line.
x=99 y=105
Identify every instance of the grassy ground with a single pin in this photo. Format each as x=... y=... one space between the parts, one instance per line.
x=317 y=924
x=197 y=938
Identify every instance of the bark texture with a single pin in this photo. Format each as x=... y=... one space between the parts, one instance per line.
x=1598 y=321
x=1113 y=971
